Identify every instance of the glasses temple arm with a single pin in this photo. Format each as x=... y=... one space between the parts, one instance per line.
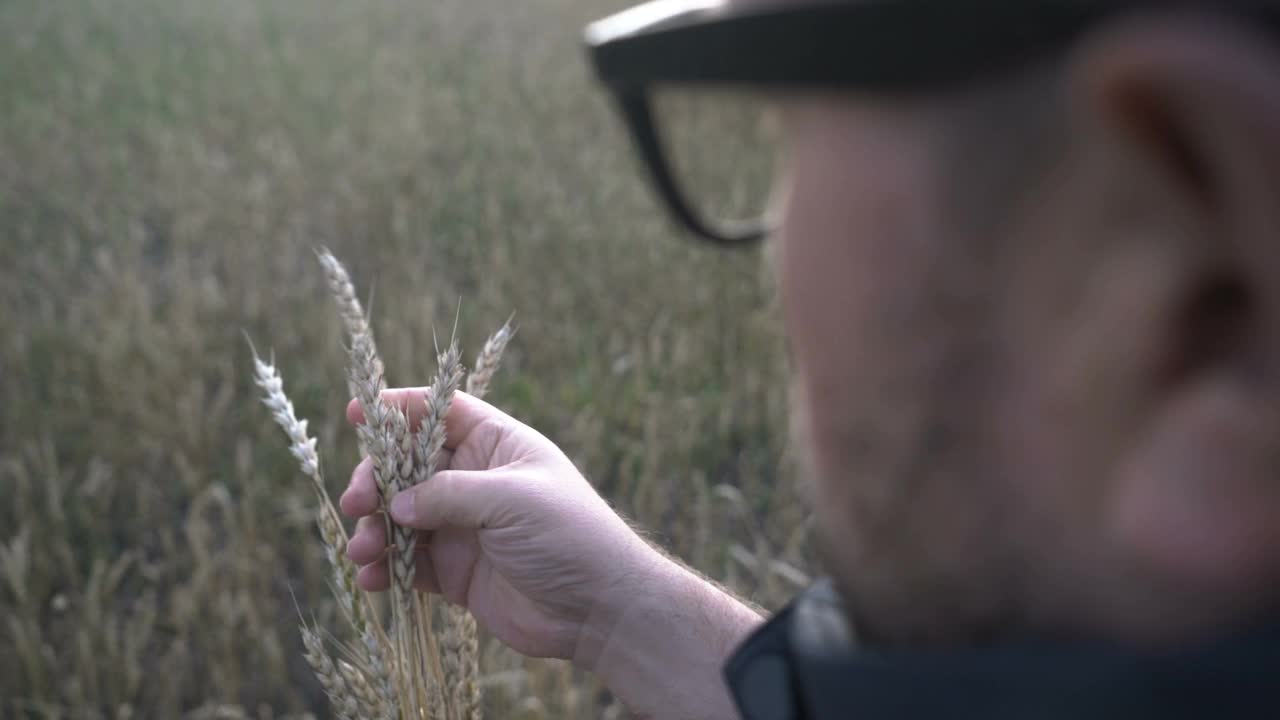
x=639 y=115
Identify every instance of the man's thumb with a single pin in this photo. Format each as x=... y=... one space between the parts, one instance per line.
x=457 y=498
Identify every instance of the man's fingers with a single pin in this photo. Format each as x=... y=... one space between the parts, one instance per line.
x=377 y=577
x=369 y=543
x=374 y=578
x=361 y=495
x=444 y=460
x=458 y=498
x=466 y=413
x=424 y=576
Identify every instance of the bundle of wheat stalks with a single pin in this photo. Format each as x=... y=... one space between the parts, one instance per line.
x=424 y=664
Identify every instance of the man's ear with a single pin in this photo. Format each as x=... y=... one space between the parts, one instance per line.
x=1196 y=499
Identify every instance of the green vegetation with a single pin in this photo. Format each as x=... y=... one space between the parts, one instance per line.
x=166 y=169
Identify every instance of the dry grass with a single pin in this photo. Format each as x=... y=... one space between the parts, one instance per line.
x=166 y=168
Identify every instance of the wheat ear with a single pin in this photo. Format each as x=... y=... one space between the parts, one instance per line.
x=303 y=449
x=489 y=359
x=384 y=435
x=367 y=696
x=344 y=295
x=343 y=700
x=399 y=478
x=429 y=439
x=374 y=657
x=371 y=674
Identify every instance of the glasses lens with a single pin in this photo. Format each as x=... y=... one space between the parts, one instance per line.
x=723 y=147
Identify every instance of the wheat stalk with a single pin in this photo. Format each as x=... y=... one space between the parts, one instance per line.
x=460 y=626
x=455 y=660
x=385 y=437
x=410 y=670
x=427 y=443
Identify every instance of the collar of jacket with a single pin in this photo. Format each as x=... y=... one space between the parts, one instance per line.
x=804 y=664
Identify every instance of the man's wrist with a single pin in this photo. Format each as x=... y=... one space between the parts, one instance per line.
x=664 y=633
x=653 y=579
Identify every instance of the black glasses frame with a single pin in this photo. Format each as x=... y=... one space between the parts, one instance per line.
x=888 y=46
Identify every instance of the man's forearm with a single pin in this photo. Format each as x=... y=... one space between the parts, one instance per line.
x=661 y=650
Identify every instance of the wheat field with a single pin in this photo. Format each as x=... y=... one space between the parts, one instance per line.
x=167 y=170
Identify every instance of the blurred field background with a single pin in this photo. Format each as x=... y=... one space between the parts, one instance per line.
x=166 y=169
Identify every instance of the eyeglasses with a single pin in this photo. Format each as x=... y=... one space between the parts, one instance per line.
x=891 y=46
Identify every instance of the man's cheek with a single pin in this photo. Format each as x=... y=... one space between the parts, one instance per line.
x=800 y=445
x=809 y=283
x=818 y=457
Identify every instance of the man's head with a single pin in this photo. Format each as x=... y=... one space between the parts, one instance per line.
x=1036 y=328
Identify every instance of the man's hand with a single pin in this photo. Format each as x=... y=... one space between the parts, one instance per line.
x=520 y=538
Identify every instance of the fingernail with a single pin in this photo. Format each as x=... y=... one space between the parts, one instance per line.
x=402 y=508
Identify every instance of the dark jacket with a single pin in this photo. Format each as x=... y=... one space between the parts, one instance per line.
x=804 y=664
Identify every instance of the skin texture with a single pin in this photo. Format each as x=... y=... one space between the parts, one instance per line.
x=1038 y=390
x=522 y=540
x=1063 y=424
